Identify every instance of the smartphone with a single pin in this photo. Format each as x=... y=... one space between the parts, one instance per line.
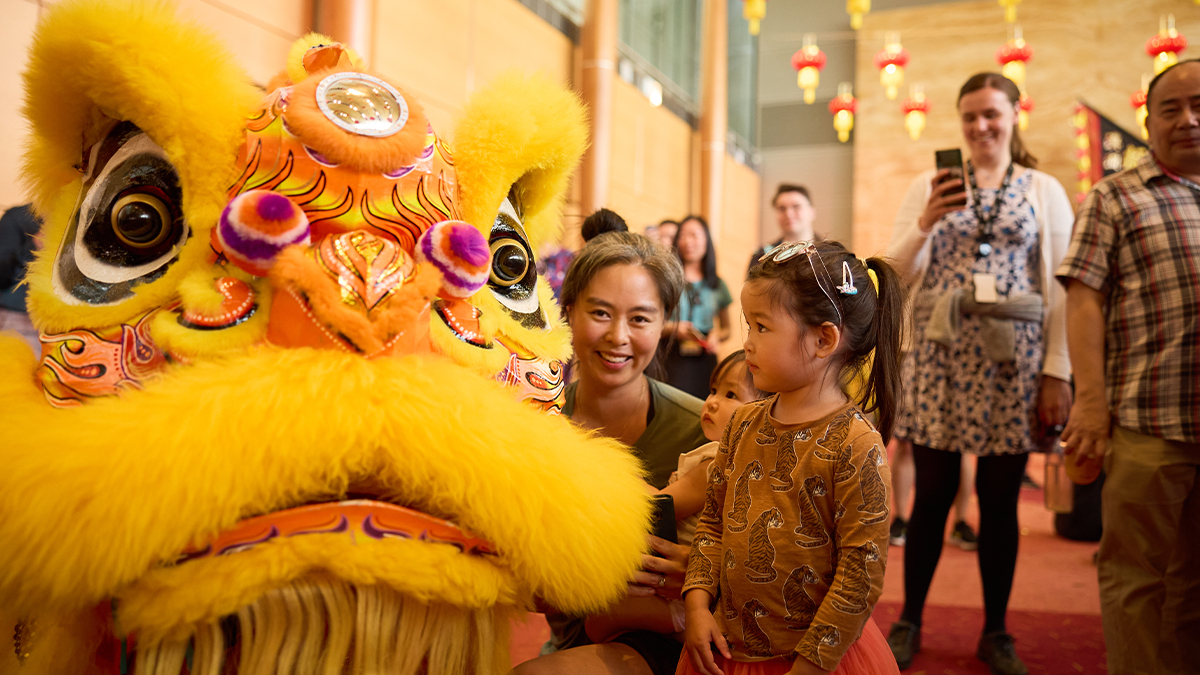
x=663 y=518
x=952 y=159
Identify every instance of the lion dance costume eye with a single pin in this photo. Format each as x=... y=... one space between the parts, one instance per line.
x=296 y=404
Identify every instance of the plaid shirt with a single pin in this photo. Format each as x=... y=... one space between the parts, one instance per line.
x=1137 y=241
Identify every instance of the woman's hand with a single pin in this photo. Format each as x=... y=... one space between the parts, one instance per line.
x=701 y=632
x=661 y=576
x=803 y=666
x=1054 y=402
x=939 y=203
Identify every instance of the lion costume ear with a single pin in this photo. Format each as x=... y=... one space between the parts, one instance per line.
x=524 y=135
x=94 y=67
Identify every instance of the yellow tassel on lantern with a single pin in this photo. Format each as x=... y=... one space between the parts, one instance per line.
x=753 y=11
x=809 y=78
x=1015 y=71
x=856 y=9
x=915 y=107
x=843 y=121
x=914 y=122
x=1010 y=9
x=891 y=77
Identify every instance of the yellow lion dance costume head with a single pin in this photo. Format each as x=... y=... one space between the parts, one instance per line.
x=295 y=406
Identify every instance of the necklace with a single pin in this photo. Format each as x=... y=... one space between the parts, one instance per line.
x=985 y=236
x=632 y=421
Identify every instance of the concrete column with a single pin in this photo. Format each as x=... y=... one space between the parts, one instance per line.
x=350 y=22
x=598 y=47
x=714 y=112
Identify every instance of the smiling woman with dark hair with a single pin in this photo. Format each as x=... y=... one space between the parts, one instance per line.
x=617 y=297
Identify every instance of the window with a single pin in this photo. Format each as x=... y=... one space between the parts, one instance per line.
x=571 y=9
x=663 y=38
x=742 y=84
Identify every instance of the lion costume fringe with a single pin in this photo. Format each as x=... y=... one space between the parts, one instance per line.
x=296 y=405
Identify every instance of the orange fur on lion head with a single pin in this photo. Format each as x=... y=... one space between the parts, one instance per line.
x=365 y=153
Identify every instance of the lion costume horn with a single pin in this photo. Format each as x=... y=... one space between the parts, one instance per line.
x=295 y=406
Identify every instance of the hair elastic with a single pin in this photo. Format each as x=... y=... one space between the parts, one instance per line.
x=871 y=274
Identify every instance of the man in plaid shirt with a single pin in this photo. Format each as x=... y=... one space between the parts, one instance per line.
x=1133 y=325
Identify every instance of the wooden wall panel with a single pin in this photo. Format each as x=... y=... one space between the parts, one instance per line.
x=258 y=34
x=738 y=239
x=16 y=34
x=441 y=52
x=260 y=41
x=1083 y=49
x=651 y=161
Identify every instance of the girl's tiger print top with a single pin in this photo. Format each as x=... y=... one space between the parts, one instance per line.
x=840 y=467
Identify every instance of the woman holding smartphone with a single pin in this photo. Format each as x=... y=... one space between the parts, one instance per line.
x=989 y=355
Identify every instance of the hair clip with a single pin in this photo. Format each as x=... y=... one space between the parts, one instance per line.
x=847 y=287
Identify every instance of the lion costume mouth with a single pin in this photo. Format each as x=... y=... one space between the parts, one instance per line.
x=398 y=424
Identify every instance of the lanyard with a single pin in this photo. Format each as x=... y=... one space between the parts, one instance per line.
x=985 y=223
x=694 y=298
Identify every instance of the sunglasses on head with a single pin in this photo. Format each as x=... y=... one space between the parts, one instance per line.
x=785 y=252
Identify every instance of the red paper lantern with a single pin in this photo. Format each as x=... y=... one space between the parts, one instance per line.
x=1164 y=48
x=915 y=108
x=1024 y=107
x=843 y=108
x=1138 y=101
x=1012 y=58
x=808 y=62
x=891 y=61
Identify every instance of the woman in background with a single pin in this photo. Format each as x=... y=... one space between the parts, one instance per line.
x=703 y=321
x=989 y=352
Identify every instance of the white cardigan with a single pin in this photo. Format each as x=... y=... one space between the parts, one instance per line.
x=910 y=251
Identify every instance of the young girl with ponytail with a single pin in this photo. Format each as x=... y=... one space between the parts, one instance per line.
x=793 y=535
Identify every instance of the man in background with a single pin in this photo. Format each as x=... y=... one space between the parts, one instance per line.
x=795 y=214
x=1133 y=327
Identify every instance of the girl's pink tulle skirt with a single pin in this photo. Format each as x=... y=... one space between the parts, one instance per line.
x=870 y=655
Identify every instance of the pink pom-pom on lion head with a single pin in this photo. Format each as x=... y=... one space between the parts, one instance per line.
x=460 y=252
x=256 y=225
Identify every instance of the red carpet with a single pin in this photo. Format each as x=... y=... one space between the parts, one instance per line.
x=1054 y=612
x=1049 y=643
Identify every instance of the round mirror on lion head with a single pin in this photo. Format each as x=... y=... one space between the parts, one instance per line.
x=362 y=104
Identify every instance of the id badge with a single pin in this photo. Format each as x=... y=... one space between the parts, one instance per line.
x=985 y=289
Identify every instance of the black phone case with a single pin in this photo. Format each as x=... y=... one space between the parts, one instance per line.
x=951 y=159
x=663 y=523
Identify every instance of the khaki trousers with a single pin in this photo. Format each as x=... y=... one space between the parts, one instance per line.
x=1149 y=562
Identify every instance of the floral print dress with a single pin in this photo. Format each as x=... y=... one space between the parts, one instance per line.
x=956 y=398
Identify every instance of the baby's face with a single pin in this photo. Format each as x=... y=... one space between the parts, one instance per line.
x=730 y=392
